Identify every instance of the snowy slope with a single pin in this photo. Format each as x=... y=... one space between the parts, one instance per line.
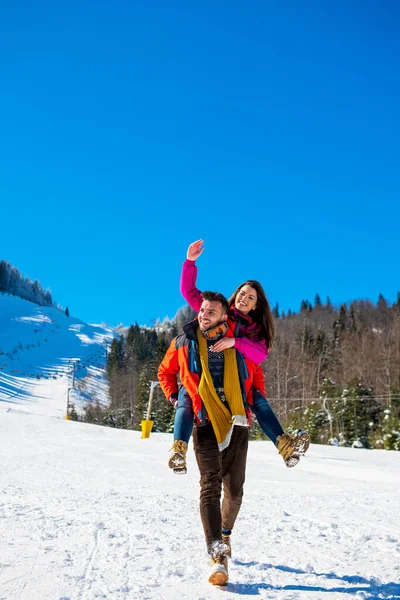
x=88 y=512
x=40 y=343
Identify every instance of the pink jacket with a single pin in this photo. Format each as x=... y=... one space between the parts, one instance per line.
x=254 y=351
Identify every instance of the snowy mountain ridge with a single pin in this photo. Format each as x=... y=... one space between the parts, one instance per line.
x=40 y=343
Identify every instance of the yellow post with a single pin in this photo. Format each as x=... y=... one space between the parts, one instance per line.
x=147 y=424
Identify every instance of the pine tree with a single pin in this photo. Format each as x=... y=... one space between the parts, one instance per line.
x=183 y=316
x=352 y=319
x=384 y=312
x=115 y=356
x=36 y=291
x=304 y=306
x=317 y=300
x=67 y=312
x=343 y=317
x=382 y=303
x=132 y=340
x=316 y=422
x=356 y=413
x=73 y=415
x=14 y=280
x=275 y=311
x=3 y=276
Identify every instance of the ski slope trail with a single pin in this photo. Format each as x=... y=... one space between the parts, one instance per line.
x=88 y=512
x=40 y=344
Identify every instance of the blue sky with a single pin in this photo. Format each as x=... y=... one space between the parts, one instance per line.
x=269 y=129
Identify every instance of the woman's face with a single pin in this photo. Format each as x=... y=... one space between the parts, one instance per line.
x=246 y=299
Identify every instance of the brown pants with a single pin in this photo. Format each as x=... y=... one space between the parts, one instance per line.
x=216 y=468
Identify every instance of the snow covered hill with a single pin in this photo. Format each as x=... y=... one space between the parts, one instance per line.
x=89 y=512
x=40 y=343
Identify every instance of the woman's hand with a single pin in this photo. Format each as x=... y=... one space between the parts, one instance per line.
x=195 y=249
x=224 y=344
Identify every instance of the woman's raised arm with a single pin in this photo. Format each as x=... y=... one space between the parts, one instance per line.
x=189 y=290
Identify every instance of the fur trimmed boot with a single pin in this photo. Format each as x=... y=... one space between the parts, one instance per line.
x=177 y=457
x=293 y=447
x=219 y=570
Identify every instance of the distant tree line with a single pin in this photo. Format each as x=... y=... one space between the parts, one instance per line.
x=13 y=282
x=132 y=364
x=336 y=371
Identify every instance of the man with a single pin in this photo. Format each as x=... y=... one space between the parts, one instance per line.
x=220 y=385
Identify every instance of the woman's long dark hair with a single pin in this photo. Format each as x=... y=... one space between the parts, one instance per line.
x=262 y=313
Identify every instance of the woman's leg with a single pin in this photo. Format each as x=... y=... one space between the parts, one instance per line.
x=290 y=447
x=266 y=417
x=184 y=415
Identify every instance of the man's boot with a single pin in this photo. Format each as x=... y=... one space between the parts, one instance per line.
x=226 y=540
x=292 y=447
x=177 y=457
x=219 y=570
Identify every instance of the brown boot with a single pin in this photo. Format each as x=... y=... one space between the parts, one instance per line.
x=177 y=457
x=219 y=570
x=292 y=447
x=226 y=539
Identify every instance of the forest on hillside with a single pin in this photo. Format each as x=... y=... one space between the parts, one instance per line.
x=13 y=282
x=336 y=372
x=333 y=371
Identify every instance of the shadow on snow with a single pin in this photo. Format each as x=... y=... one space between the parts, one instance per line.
x=357 y=583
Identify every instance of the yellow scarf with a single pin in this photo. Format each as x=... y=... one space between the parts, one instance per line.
x=221 y=419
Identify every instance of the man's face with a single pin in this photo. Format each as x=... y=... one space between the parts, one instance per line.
x=211 y=314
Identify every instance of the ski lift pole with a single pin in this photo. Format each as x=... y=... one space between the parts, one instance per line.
x=70 y=388
x=67 y=416
x=147 y=424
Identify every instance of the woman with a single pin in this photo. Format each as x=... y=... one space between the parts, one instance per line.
x=251 y=323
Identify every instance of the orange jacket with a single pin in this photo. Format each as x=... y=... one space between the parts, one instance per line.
x=182 y=357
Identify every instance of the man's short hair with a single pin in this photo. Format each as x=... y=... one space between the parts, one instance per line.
x=216 y=297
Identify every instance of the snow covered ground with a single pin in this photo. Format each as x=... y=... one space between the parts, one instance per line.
x=88 y=512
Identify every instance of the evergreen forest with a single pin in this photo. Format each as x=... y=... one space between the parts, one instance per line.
x=334 y=371
x=13 y=282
